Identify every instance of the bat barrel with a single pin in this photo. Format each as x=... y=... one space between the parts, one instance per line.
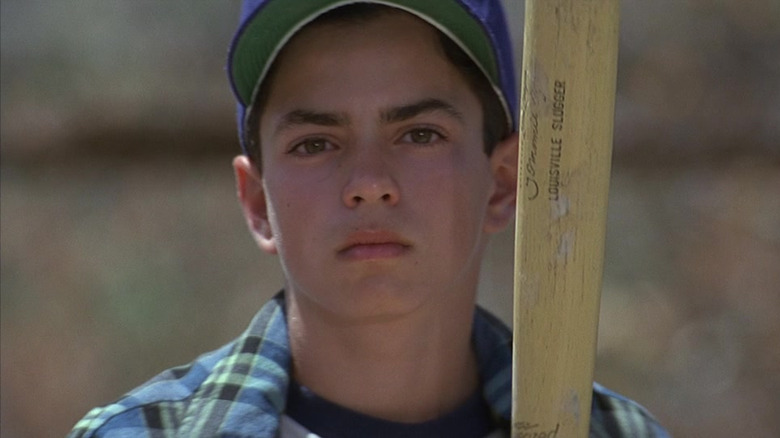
x=566 y=123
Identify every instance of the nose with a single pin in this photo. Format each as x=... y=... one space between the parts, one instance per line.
x=371 y=181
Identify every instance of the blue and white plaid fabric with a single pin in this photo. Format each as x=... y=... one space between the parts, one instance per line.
x=240 y=390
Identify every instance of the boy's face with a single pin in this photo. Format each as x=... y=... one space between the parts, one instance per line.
x=375 y=190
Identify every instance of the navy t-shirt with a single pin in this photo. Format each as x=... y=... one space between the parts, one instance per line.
x=472 y=419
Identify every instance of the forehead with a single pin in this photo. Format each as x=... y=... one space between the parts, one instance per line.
x=338 y=33
x=393 y=49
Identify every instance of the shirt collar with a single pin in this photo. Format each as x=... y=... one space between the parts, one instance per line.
x=247 y=391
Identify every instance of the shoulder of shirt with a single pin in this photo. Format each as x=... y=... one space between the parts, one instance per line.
x=161 y=405
x=613 y=415
x=171 y=389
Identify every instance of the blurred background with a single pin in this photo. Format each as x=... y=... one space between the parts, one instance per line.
x=124 y=251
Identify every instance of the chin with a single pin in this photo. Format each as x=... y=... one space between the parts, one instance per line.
x=384 y=303
x=373 y=303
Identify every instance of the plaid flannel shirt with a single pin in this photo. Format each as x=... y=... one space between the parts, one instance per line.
x=240 y=390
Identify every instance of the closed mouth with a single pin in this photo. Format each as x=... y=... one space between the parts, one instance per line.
x=373 y=245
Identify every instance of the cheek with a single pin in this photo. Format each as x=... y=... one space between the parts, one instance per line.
x=290 y=208
x=290 y=190
x=455 y=194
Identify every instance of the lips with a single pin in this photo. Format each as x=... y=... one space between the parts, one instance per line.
x=373 y=245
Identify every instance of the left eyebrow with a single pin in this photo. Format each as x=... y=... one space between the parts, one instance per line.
x=406 y=112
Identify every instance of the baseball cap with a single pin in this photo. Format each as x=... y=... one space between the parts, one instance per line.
x=478 y=27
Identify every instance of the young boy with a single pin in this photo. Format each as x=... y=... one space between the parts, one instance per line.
x=380 y=154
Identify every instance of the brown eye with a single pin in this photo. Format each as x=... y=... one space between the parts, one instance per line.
x=422 y=136
x=311 y=146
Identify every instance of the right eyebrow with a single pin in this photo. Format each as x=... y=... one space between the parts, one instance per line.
x=308 y=117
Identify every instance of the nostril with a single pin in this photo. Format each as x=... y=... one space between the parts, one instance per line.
x=370 y=190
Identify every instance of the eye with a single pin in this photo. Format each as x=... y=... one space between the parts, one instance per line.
x=311 y=146
x=422 y=136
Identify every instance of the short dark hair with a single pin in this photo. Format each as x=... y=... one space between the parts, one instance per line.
x=494 y=124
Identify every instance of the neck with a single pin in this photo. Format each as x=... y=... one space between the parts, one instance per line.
x=408 y=369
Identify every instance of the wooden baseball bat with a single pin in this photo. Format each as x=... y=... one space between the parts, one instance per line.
x=566 y=122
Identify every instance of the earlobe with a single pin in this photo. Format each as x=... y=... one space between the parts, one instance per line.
x=503 y=200
x=251 y=195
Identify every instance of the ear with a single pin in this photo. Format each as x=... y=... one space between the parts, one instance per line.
x=503 y=165
x=251 y=195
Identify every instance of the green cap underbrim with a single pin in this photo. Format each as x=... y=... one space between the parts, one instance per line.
x=264 y=35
